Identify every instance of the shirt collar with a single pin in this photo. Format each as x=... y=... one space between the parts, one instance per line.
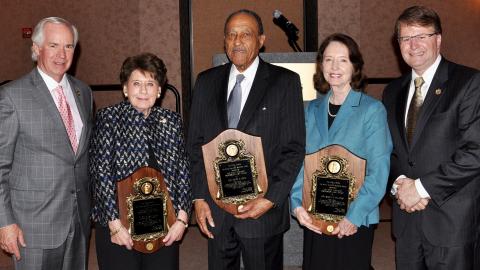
x=249 y=73
x=429 y=73
x=51 y=83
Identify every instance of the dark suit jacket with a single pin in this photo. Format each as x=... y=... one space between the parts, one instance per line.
x=445 y=153
x=273 y=111
x=41 y=179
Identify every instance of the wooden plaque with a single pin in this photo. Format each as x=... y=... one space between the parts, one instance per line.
x=332 y=178
x=145 y=208
x=235 y=169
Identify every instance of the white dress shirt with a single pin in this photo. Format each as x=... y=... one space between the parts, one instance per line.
x=427 y=78
x=246 y=83
x=67 y=90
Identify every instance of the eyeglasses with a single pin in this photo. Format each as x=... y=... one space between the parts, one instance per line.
x=243 y=36
x=419 y=37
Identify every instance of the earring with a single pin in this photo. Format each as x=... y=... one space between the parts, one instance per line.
x=159 y=93
x=125 y=94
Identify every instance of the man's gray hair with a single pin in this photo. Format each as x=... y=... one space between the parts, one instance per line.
x=38 y=35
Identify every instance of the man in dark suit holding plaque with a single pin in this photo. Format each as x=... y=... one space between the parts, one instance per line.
x=268 y=105
x=434 y=119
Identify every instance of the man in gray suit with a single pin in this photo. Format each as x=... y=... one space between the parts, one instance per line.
x=45 y=122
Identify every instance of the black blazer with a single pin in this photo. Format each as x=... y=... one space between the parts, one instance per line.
x=273 y=111
x=445 y=153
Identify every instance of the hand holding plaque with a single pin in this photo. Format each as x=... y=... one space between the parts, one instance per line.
x=145 y=208
x=235 y=169
x=332 y=178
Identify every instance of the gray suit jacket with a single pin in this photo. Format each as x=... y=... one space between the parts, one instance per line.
x=42 y=181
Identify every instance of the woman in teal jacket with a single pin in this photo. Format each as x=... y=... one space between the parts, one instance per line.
x=344 y=115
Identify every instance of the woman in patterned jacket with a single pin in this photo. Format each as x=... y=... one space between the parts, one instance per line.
x=127 y=136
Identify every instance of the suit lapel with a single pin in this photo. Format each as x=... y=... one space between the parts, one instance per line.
x=321 y=119
x=432 y=98
x=258 y=90
x=77 y=94
x=221 y=93
x=44 y=97
x=351 y=101
x=401 y=108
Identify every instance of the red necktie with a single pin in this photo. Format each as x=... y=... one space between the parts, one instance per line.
x=67 y=117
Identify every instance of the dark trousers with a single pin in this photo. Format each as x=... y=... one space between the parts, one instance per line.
x=414 y=252
x=264 y=253
x=114 y=257
x=353 y=252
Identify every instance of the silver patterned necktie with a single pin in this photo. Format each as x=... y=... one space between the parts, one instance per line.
x=415 y=105
x=234 y=103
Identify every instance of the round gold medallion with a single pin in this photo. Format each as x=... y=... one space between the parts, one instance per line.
x=330 y=228
x=334 y=166
x=147 y=188
x=231 y=150
x=149 y=246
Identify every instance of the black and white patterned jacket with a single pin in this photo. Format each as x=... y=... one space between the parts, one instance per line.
x=119 y=146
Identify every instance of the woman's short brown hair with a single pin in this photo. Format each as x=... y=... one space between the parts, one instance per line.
x=145 y=62
x=358 y=78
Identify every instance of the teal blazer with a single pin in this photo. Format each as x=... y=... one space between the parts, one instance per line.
x=361 y=127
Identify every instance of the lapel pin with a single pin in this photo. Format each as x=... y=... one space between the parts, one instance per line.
x=163 y=120
x=264 y=108
x=438 y=91
x=77 y=92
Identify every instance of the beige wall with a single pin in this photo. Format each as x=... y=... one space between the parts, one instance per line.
x=371 y=24
x=208 y=19
x=110 y=30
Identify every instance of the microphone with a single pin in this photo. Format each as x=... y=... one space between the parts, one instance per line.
x=290 y=29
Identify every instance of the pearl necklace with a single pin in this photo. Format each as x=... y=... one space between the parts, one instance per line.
x=328 y=108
